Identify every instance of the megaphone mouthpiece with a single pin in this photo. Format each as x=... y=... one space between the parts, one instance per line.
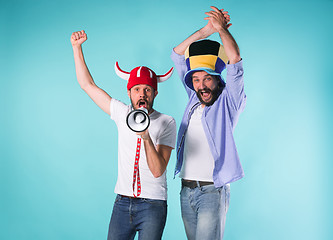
x=139 y=117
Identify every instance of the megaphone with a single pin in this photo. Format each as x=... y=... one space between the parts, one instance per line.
x=138 y=120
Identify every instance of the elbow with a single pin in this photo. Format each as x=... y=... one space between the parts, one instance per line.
x=157 y=174
x=86 y=86
x=234 y=56
x=235 y=59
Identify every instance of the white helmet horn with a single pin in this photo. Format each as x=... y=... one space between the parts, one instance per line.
x=162 y=78
x=122 y=74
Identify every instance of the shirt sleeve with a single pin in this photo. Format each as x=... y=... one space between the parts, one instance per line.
x=235 y=95
x=180 y=65
x=168 y=136
x=235 y=85
x=117 y=109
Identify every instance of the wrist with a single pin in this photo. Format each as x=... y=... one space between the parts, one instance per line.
x=205 y=32
x=76 y=47
x=222 y=30
x=145 y=138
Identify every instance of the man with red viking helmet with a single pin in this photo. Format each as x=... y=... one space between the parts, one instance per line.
x=141 y=187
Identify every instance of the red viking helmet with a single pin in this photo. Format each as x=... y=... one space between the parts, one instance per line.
x=142 y=75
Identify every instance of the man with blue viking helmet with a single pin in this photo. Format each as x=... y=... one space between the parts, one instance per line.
x=207 y=158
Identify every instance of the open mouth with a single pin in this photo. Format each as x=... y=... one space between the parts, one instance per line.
x=205 y=94
x=142 y=103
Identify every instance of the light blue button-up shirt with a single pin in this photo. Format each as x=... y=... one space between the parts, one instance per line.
x=218 y=121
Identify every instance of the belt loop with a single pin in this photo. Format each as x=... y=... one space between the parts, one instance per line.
x=198 y=184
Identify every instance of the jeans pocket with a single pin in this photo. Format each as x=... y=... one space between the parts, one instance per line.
x=155 y=202
x=118 y=198
x=209 y=189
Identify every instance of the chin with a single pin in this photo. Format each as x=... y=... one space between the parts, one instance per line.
x=215 y=94
x=209 y=102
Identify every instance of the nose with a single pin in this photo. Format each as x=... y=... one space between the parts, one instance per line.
x=143 y=93
x=202 y=85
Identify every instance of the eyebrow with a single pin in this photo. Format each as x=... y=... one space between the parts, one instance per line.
x=207 y=75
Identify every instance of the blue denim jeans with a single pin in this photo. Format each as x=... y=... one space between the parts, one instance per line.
x=204 y=211
x=131 y=215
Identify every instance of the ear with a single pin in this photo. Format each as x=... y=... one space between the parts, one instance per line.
x=155 y=93
x=129 y=93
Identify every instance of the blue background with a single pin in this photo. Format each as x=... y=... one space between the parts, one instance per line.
x=58 y=150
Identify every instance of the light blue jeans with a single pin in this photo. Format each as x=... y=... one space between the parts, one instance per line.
x=131 y=215
x=204 y=211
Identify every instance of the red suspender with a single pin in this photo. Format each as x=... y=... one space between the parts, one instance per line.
x=136 y=174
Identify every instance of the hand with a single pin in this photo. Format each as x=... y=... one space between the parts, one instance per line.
x=144 y=135
x=219 y=19
x=208 y=30
x=78 y=38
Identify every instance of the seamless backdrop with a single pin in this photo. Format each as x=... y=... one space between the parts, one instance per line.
x=58 y=150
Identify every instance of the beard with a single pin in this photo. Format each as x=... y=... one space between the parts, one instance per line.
x=215 y=93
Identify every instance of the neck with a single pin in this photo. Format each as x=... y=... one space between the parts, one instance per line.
x=151 y=111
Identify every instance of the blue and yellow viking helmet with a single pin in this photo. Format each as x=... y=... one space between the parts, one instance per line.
x=205 y=55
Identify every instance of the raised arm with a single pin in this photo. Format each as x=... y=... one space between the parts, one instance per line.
x=219 y=20
x=202 y=33
x=98 y=95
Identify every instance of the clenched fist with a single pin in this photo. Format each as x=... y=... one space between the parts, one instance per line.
x=78 y=38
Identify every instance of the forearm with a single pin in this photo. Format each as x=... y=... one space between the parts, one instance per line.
x=82 y=73
x=99 y=96
x=198 y=35
x=156 y=162
x=230 y=46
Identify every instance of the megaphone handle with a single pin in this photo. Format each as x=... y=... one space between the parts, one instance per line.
x=136 y=174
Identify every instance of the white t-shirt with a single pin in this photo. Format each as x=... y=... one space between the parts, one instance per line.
x=198 y=160
x=162 y=130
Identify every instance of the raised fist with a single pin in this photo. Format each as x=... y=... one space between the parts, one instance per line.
x=78 y=38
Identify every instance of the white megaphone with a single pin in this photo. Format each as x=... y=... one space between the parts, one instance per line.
x=138 y=120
